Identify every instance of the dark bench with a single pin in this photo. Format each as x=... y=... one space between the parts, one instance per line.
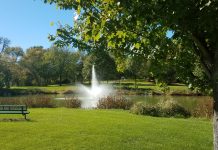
x=14 y=109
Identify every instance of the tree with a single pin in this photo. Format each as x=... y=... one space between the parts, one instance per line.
x=33 y=62
x=17 y=72
x=5 y=72
x=64 y=63
x=104 y=65
x=4 y=43
x=14 y=52
x=8 y=63
x=141 y=26
x=133 y=67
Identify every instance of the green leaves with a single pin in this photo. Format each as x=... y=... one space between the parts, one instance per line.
x=111 y=44
x=97 y=37
x=121 y=34
x=137 y=45
x=139 y=27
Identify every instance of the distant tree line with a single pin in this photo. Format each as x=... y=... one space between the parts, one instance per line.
x=39 y=66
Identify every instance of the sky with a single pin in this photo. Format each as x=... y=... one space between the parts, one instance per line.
x=26 y=23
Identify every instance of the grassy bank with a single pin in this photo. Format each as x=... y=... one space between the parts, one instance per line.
x=127 y=86
x=62 y=128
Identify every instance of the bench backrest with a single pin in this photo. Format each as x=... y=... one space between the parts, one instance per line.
x=13 y=108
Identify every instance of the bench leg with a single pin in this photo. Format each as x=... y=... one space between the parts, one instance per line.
x=24 y=116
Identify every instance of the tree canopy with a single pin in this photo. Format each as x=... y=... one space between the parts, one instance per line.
x=130 y=27
x=139 y=27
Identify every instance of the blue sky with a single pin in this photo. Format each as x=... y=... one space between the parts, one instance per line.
x=27 y=22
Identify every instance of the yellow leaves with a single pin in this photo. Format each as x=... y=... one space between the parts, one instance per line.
x=108 y=1
x=137 y=45
x=103 y=23
x=78 y=10
x=52 y=23
x=111 y=36
x=97 y=37
x=121 y=64
x=111 y=44
x=88 y=20
x=121 y=34
x=87 y=38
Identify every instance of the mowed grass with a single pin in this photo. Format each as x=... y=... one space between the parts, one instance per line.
x=178 y=88
x=49 y=88
x=76 y=129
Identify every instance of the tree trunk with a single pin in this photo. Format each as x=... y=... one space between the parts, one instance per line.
x=215 y=125
x=60 y=80
x=215 y=97
x=135 y=82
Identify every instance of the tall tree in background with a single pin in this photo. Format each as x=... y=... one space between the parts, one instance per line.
x=33 y=61
x=64 y=63
x=14 y=55
x=104 y=64
x=4 y=43
x=9 y=67
x=140 y=27
x=14 y=52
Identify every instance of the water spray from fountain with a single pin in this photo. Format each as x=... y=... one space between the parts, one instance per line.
x=90 y=95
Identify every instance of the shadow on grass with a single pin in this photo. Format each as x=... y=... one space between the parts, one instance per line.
x=16 y=120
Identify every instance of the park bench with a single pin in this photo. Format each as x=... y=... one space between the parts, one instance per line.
x=14 y=109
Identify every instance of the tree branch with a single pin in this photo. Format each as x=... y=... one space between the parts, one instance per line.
x=203 y=64
x=203 y=51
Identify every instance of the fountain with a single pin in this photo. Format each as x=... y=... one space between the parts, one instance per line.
x=90 y=95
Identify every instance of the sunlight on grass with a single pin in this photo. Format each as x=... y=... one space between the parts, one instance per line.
x=48 y=88
x=62 y=128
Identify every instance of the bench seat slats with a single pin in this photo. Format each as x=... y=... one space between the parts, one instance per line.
x=14 y=112
x=12 y=107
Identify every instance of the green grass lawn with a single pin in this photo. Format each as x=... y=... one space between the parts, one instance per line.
x=50 y=88
x=62 y=128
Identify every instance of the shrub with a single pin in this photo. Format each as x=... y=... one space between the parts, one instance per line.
x=204 y=109
x=38 y=101
x=72 y=102
x=144 y=109
x=114 y=102
x=160 y=110
x=171 y=108
x=9 y=100
x=30 y=101
x=176 y=110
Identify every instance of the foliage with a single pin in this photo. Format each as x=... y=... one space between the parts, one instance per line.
x=163 y=87
x=104 y=65
x=163 y=109
x=33 y=61
x=49 y=66
x=10 y=72
x=133 y=27
x=204 y=109
x=129 y=32
x=38 y=101
x=14 y=52
x=4 y=43
x=72 y=102
x=114 y=102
